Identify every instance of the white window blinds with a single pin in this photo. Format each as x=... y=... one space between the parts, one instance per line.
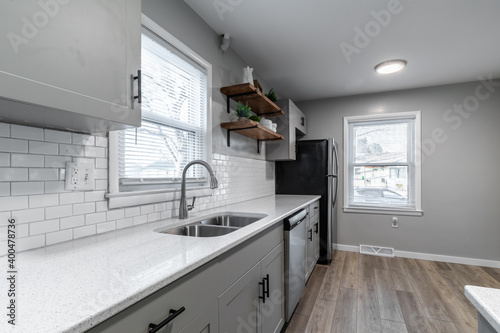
x=174 y=117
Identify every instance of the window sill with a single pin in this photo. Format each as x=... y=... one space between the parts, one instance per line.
x=386 y=211
x=137 y=198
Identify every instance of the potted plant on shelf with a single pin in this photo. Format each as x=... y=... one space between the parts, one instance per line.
x=243 y=111
x=255 y=118
x=272 y=95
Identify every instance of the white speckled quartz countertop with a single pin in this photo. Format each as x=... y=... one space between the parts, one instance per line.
x=487 y=302
x=73 y=286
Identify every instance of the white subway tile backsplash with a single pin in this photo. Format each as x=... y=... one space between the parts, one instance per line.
x=95 y=218
x=84 y=231
x=124 y=223
x=84 y=208
x=101 y=163
x=4 y=159
x=27 y=188
x=101 y=184
x=101 y=206
x=43 y=227
x=105 y=227
x=93 y=196
x=25 y=132
x=4 y=189
x=70 y=150
x=59 y=236
x=132 y=211
x=147 y=209
x=101 y=141
x=57 y=136
x=43 y=174
x=28 y=215
x=13 y=174
x=56 y=161
x=71 y=198
x=55 y=215
x=46 y=200
x=83 y=139
x=115 y=214
x=46 y=148
x=4 y=129
x=13 y=145
x=13 y=203
x=58 y=211
x=54 y=187
x=26 y=160
x=28 y=243
x=72 y=222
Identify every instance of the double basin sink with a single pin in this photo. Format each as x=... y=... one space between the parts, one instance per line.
x=215 y=225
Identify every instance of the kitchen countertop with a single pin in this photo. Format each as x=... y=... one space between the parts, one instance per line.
x=487 y=302
x=73 y=286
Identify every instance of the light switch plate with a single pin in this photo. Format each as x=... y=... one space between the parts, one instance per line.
x=79 y=176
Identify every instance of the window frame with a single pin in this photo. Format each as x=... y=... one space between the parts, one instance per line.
x=117 y=199
x=417 y=139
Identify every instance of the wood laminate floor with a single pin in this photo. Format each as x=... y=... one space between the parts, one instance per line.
x=369 y=294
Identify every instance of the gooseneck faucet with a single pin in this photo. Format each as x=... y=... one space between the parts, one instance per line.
x=184 y=208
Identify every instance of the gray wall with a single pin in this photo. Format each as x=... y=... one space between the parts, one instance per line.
x=176 y=17
x=460 y=177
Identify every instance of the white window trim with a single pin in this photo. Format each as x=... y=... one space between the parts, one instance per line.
x=418 y=167
x=117 y=199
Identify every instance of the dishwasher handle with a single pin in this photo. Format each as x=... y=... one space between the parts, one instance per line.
x=295 y=219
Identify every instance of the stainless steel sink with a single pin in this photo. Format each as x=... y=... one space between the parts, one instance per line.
x=233 y=219
x=200 y=230
x=214 y=225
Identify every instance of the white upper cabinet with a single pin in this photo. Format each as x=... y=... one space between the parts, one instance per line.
x=291 y=125
x=70 y=64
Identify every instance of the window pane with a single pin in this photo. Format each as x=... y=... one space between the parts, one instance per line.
x=380 y=142
x=379 y=185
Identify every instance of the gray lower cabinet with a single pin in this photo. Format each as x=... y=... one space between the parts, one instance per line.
x=255 y=302
x=312 y=237
x=70 y=64
x=240 y=291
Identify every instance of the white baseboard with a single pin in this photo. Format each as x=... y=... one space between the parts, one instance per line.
x=430 y=256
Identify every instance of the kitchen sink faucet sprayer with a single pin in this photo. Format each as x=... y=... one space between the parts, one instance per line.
x=184 y=207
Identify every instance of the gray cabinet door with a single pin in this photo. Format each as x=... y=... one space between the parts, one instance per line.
x=239 y=306
x=75 y=56
x=206 y=322
x=273 y=310
x=309 y=248
x=315 y=227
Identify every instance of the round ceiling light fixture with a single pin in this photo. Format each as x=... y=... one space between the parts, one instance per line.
x=391 y=66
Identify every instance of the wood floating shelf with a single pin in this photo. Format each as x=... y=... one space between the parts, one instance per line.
x=253 y=130
x=246 y=93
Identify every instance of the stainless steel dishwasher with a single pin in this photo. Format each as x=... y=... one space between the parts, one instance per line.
x=295 y=260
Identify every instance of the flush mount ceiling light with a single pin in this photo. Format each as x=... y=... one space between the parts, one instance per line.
x=391 y=66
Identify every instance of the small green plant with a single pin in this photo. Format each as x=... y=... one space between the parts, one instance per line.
x=243 y=110
x=272 y=95
x=255 y=118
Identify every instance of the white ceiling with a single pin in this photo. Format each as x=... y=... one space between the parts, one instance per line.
x=296 y=44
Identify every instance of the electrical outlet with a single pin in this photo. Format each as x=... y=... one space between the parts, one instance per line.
x=79 y=176
x=394 y=222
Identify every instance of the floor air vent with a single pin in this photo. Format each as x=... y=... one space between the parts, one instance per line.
x=376 y=250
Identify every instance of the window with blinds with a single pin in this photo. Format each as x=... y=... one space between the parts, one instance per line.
x=174 y=118
x=382 y=170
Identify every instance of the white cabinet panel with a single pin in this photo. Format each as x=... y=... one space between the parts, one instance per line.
x=74 y=56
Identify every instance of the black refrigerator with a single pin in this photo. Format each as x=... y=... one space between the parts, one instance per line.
x=314 y=172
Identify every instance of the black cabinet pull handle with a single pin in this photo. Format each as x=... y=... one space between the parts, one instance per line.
x=263 y=297
x=267 y=285
x=302 y=121
x=316 y=227
x=310 y=234
x=153 y=328
x=138 y=97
